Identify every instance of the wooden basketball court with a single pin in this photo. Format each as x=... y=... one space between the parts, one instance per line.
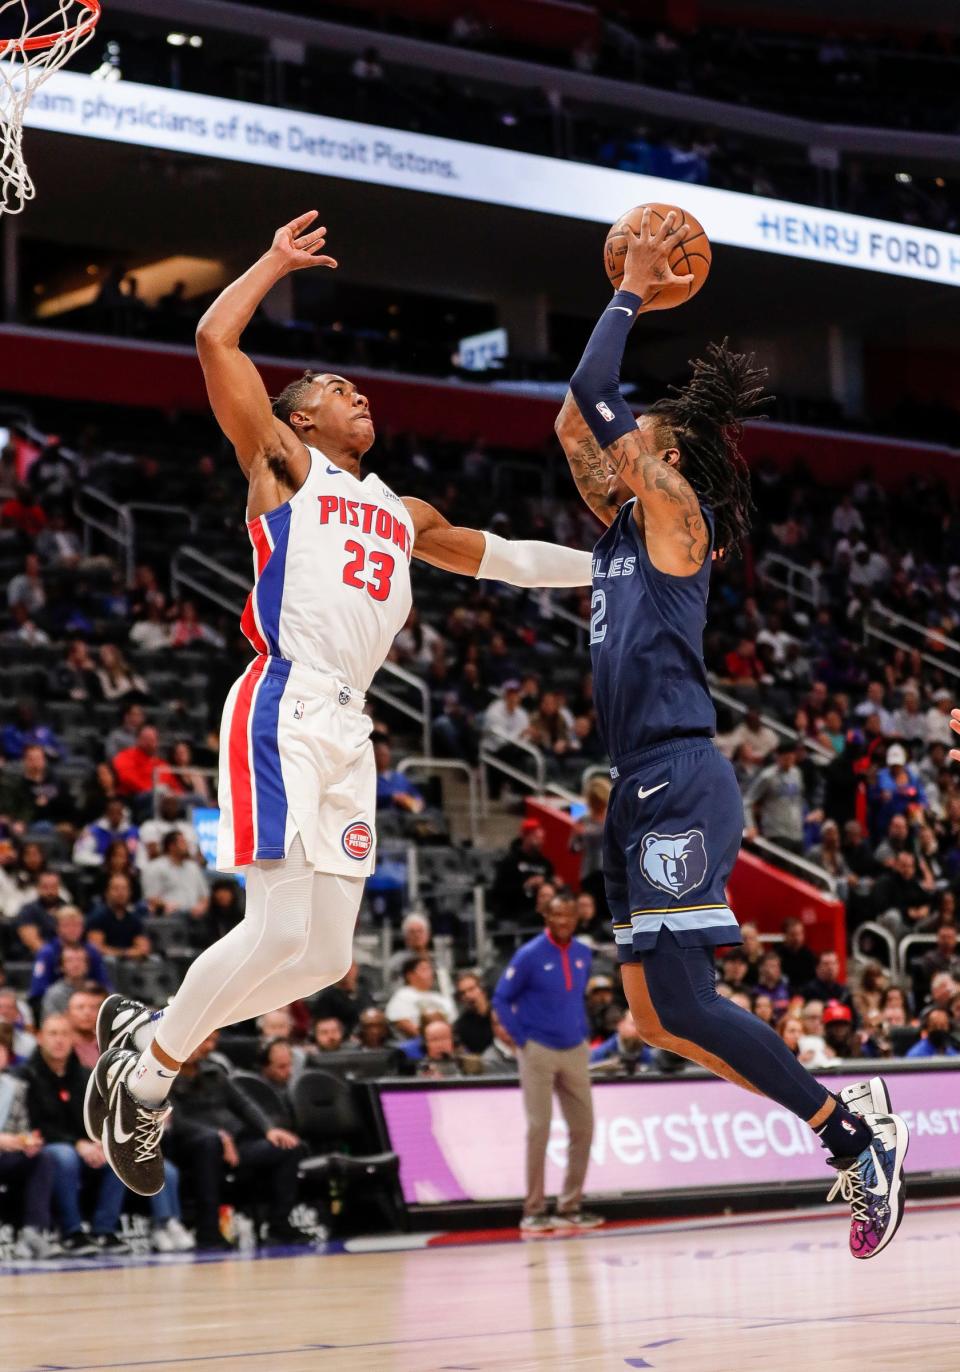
x=711 y=1297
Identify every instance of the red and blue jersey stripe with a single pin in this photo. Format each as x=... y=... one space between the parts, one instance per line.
x=260 y=622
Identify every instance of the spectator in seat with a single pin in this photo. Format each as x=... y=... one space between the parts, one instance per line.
x=36 y=924
x=587 y=839
x=24 y=732
x=56 y=1083
x=774 y=805
x=603 y=1013
x=943 y=988
x=345 y=1000
x=771 y=982
x=790 y=1030
x=139 y=768
x=900 y=901
x=114 y=825
x=275 y=1062
x=76 y=677
x=328 y=1037
x=439 y=1059
x=26 y=590
x=838 y=1031
x=898 y=790
x=505 y=724
x=395 y=791
x=278 y=1024
x=624 y=1050
x=125 y=734
x=742 y=666
x=798 y=962
x=416 y=997
x=82 y=1010
x=190 y=777
x=174 y=884
x=898 y=840
x=15 y=1017
x=36 y=798
x=856 y=851
x=416 y=934
x=115 y=926
x=869 y=993
x=473 y=1028
x=48 y=966
x=500 y=1059
x=828 y=853
x=824 y=986
x=520 y=872
x=216 y=1128
x=753 y=950
x=943 y=958
x=118 y=681
x=118 y=862
x=373 y=1030
x=24 y=1167
x=734 y=970
x=74 y=976
x=934 y=1040
x=938 y=718
x=908 y=722
x=151 y=634
x=750 y=733
x=170 y=819
x=812 y=1048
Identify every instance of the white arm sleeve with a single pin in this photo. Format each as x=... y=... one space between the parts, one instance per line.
x=525 y=562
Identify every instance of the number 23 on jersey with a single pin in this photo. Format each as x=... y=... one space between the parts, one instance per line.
x=368 y=571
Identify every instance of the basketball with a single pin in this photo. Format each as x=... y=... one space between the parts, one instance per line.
x=692 y=255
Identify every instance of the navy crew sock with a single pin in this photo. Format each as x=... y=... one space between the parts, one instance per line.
x=844 y=1133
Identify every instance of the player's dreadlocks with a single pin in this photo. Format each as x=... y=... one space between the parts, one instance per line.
x=292 y=397
x=705 y=418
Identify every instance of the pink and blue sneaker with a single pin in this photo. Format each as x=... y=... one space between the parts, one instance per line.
x=872 y=1184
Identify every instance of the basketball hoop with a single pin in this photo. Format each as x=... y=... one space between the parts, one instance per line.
x=26 y=61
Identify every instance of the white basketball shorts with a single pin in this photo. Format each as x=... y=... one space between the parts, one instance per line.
x=295 y=757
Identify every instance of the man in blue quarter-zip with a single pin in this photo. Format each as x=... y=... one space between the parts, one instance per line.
x=539 y=1000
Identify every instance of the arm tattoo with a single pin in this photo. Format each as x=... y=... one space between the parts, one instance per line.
x=666 y=499
x=586 y=460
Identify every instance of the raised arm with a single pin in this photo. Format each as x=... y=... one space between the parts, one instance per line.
x=237 y=394
x=478 y=553
x=634 y=456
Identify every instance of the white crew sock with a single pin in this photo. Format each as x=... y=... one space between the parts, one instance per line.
x=144 y=1036
x=150 y=1082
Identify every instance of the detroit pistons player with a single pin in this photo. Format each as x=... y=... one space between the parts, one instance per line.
x=297 y=778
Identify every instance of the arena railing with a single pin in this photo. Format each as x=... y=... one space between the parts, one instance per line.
x=784 y=858
x=910 y=941
x=816 y=750
x=421 y=716
x=892 y=640
x=183 y=573
x=122 y=529
x=785 y=574
x=580 y=89
x=490 y=757
x=877 y=931
x=441 y=765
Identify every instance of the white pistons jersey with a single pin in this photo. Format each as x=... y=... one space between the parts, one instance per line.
x=332 y=575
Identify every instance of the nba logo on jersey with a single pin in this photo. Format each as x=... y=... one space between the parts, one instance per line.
x=298 y=710
x=357 y=840
x=674 y=863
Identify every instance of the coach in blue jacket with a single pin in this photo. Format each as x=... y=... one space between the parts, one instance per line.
x=540 y=1002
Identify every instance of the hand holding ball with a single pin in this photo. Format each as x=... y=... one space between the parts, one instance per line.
x=664 y=260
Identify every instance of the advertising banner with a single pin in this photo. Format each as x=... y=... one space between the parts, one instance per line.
x=183 y=122
x=467 y=1144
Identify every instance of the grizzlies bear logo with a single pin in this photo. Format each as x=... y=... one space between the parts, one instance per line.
x=675 y=863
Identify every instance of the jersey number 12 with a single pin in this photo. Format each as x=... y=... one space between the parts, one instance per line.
x=379 y=565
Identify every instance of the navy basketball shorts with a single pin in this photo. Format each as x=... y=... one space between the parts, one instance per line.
x=672 y=835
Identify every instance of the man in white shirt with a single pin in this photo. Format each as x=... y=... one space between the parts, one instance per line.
x=938 y=718
x=154 y=831
x=506 y=720
x=174 y=883
x=417 y=997
x=847 y=519
x=759 y=737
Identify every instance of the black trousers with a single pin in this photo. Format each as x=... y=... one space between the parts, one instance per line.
x=265 y=1171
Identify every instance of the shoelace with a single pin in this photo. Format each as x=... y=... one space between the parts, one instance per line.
x=147 y=1133
x=850 y=1187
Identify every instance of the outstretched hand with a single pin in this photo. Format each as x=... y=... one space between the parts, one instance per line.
x=955 y=726
x=298 y=246
x=647 y=265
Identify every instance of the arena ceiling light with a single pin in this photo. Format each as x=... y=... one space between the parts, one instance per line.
x=183 y=40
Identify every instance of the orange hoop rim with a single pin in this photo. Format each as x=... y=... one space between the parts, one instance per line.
x=49 y=40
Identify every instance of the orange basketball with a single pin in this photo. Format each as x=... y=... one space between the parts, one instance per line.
x=692 y=255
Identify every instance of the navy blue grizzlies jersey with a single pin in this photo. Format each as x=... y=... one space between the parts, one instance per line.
x=675 y=820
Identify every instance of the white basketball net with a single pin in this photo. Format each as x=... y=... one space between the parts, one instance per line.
x=24 y=68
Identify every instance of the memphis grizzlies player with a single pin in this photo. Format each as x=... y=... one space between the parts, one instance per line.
x=331 y=554
x=673 y=490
